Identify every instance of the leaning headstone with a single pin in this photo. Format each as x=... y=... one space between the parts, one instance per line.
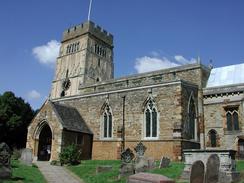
x=164 y=162
x=26 y=156
x=212 y=169
x=127 y=166
x=5 y=168
x=197 y=172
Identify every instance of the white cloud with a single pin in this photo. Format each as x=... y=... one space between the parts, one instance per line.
x=182 y=60
x=146 y=64
x=33 y=94
x=47 y=54
x=155 y=53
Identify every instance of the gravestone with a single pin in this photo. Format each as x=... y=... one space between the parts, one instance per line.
x=212 y=169
x=141 y=162
x=26 y=156
x=127 y=166
x=140 y=149
x=5 y=155
x=197 y=172
x=151 y=163
x=127 y=156
x=103 y=168
x=149 y=178
x=164 y=162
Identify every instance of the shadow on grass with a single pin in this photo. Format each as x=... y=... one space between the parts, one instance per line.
x=14 y=166
x=17 y=178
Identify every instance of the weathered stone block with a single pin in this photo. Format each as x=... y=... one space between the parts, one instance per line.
x=149 y=178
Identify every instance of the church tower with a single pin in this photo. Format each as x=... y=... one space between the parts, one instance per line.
x=85 y=57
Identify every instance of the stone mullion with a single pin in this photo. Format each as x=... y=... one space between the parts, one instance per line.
x=151 y=128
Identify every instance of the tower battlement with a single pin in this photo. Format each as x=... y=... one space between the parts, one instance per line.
x=88 y=27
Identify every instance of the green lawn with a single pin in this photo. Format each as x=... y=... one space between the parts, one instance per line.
x=87 y=171
x=24 y=174
x=240 y=167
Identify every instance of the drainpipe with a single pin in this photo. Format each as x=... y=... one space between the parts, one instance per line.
x=123 y=124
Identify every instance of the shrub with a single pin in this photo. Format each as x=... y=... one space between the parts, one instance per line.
x=16 y=154
x=70 y=155
x=55 y=162
x=34 y=165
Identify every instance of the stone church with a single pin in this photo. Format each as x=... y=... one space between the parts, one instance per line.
x=169 y=110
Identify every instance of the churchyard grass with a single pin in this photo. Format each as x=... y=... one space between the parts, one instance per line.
x=24 y=174
x=240 y=167
x=87 y=171
x=173 y=171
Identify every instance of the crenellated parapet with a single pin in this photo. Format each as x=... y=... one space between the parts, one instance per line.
x=85 y=28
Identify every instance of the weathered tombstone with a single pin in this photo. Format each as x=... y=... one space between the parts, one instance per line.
x=103 y=168
x=212 y=169
x=127 y=156
x=140 y=149
x=26 y=156
x=149 y=178
x=151 y=163
x=127 y=167
x=164 y=162
x=197 y=172
x=5 y=168
x=141 y=162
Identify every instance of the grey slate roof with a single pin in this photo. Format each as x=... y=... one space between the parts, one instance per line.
x=228 y=75
x=70 y=118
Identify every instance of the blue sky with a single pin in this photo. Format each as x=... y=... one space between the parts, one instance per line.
x=159 y=33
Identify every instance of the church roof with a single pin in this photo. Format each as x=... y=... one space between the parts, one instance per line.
x=228 y=75
x=71 y=119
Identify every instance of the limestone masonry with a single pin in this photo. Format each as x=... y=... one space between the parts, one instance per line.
x=168 y=110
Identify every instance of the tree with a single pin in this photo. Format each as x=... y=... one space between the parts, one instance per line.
x=15 y=116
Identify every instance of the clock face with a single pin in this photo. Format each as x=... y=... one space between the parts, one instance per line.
x=66 y=84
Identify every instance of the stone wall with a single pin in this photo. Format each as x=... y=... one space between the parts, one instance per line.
x=82 y=140
x=170 y=89
x=216 y=101
x=168 y=100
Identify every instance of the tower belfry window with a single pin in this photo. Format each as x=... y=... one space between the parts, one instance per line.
x=72 y=48
x=100 y=50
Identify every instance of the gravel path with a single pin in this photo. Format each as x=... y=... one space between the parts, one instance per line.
x=56 y=174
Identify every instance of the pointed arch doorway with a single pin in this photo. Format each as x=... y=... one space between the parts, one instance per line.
x=45 y=143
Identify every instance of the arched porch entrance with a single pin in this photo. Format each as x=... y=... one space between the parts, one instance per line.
x=45 y=143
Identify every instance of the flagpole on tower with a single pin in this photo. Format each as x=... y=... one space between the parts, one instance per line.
x=89 y=12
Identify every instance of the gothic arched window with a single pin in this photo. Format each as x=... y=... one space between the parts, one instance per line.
x=191 y=117
x=212 y=135
x=151 y=120
x=107 y=123
x=232 y=121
